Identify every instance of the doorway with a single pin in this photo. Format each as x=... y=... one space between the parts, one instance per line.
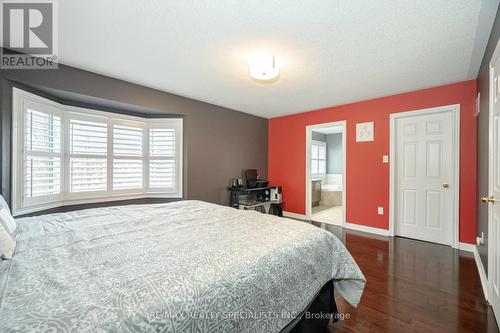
x=326 y=172
x=424 y=174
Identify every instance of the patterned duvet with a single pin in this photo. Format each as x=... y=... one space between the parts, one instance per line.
x=187 y=266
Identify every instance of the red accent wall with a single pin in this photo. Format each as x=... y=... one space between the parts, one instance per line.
x=367 y=178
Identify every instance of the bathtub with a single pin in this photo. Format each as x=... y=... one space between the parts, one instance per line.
x=331 y=195
x=331 y=187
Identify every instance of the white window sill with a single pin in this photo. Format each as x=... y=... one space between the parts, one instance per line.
x=45 y=206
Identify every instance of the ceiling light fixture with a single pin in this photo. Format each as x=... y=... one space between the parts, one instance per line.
x=263 y=67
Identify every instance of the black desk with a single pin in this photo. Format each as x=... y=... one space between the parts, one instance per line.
x=255 y=198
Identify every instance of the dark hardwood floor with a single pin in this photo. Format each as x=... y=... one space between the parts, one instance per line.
x=413 y=286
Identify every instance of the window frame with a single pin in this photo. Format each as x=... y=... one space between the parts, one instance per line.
x=318 y=144
x=67 y=175
x=33 y=201
x=177 y=152
x=143 y=157
x=21 y=205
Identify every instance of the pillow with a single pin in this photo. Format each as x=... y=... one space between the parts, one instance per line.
x=8 y=228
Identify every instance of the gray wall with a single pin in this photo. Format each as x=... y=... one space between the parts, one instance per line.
x=219 y=143
x=335 y=156
x=483 y=130
x=319 y=136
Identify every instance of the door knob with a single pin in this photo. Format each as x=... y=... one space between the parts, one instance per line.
x=446 y=185
x=489 y=199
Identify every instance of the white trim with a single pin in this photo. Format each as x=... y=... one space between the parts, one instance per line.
x=472 y=248
x=455 y=109
x=370 y=230
x=466 y=247
x=22 y=205
x=351 y=226
x=308 y=199
x=121 y=197
x=482 y=272
x=294 y=215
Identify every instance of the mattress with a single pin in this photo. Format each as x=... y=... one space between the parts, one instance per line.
x=187 y=266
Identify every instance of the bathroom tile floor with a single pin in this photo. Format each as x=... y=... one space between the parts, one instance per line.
x=330 y=215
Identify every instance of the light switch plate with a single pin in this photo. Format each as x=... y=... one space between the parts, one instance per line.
x=380 y=211
x=385 y=159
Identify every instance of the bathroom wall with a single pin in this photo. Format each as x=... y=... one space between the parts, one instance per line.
x=334 y=155
x=319 y=137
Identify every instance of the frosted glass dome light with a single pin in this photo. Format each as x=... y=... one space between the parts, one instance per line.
x=263 y=67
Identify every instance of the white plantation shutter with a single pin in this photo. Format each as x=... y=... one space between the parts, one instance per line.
x=162 y=173
x=314 y=167
x=42 y=145
x=43 y=131
x=314 y=152
x=128 y=159
x=68 y=155
x=322 y=159
x=88 y=137
x=318 y=158
x=88 y=154
x=88 y=174
x=43 y=176
x=322 y=153
x=127 y=140
x=127 y=174
x=162 y=142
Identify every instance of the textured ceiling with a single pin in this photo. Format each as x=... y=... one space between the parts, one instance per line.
x=330 y=52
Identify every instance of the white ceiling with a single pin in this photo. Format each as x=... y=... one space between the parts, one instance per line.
x=331 y=52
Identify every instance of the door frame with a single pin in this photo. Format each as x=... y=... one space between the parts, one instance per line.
x=455 y=110
x=309 y=130
x=491 y=83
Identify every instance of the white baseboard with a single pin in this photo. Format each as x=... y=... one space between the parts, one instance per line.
x=467 y=247
x=482 y=272
x=294 y=215
x=371 y=230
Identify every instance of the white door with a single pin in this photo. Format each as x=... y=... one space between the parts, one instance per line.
x=494 y=189
x=425 y=176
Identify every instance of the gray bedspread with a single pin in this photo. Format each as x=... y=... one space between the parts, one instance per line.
x=187 y=266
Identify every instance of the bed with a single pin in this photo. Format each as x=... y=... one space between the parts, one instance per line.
x=187 y=266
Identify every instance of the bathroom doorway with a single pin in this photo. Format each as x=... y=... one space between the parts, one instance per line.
x=325 y=173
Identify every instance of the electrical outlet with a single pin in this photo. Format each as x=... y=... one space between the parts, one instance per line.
x=380 y=211
x=385 y=159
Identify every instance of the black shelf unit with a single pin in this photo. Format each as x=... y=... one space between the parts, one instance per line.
x=256 y=198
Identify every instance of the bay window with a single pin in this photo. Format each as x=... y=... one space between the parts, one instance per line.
x=67 y=155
